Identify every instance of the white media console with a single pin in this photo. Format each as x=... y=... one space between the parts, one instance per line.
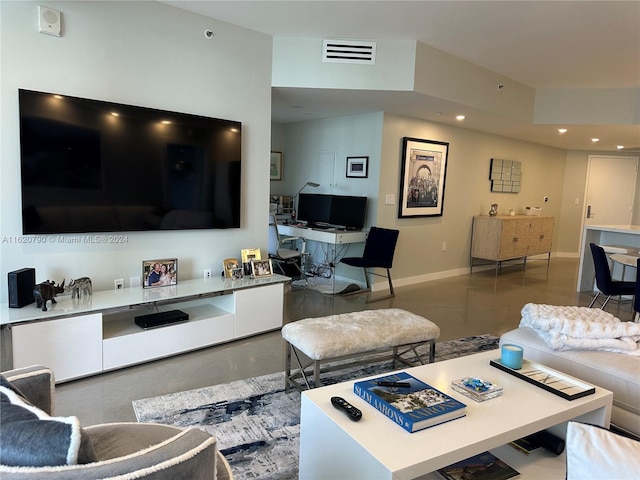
x=78 y=338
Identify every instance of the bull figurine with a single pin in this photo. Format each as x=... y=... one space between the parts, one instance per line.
x=79 y=286
x=46 y=291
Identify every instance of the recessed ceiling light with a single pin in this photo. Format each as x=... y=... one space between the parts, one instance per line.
x=165 y=122
x=595 y=140
x=115 y=114
x=620 y=147
x=58 y=96
x=562 y=130
x=460 y=117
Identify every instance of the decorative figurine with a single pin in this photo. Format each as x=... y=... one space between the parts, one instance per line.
x=494 y=210
x=46 y=291
x=79 y=286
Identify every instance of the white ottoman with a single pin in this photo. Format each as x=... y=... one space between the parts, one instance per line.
x=369 y=336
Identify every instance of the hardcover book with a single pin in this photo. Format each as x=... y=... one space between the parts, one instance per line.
x=476 y=388
x=414 y=405
x=484 y=466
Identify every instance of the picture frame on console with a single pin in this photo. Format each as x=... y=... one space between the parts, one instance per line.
x=261 y=268
x=159 y=273
x=422 y=182
x=357 y=167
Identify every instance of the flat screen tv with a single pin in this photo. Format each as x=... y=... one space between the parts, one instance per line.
x=335 y=210
x=96 y=166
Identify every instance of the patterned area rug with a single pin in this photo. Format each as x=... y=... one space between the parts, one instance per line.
x=257 y=425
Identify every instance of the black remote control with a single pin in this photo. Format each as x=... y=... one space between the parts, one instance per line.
x=352 y=412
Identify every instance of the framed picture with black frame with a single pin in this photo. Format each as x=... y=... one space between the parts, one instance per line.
x=357 y=167
x=422 y=178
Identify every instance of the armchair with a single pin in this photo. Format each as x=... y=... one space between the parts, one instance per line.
x=107 y=451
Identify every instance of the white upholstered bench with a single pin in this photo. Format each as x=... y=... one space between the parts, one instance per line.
x=367 y=336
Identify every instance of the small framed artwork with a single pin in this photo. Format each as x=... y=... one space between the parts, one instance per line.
x=159 y=273
x=230 y=264
x=247 y=255
x=357 y=167
x=424 y=168
x=261 y=268
x=275 y=166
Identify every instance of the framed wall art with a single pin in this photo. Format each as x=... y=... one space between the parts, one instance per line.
x=275 y=166
x=357 y=167
x=159 y=273
x=422 y=179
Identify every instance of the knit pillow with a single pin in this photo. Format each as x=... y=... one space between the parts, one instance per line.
x=31 y=438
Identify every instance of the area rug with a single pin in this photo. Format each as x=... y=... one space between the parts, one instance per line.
x=258 y=425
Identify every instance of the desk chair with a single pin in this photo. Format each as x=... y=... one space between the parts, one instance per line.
x=604 y=282
x=378 y=253
x=285 y=256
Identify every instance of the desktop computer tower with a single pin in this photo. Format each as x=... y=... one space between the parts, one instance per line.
x=21 y=284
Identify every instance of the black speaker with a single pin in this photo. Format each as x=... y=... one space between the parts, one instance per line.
x=21 y=285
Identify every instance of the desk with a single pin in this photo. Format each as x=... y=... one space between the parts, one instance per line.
x=332 y=237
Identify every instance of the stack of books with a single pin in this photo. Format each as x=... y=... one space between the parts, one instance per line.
x=476 y=388
x=409 y=402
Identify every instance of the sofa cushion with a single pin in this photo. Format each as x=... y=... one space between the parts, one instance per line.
x=613 y=371
x=594 y=452
x=30 y=437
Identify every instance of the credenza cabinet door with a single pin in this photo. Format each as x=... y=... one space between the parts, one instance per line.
x=71 y=346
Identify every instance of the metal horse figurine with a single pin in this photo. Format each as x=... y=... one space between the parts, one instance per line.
x=45 y=291
x=79 y=286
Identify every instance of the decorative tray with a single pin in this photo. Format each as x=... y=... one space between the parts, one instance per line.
x=549 y=379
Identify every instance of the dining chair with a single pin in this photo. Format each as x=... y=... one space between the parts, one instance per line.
x=378 y=252
x=605 y=284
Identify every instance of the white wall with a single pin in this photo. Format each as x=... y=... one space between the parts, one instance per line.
x=140 y=53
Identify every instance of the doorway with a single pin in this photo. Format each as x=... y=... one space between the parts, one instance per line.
x=610 y=191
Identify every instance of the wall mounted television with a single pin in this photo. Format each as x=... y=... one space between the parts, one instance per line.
x=96 y=166
x=337 y=210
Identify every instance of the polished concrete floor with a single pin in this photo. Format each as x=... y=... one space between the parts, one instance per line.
x=461 y=306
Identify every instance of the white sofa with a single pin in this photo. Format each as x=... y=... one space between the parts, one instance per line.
x=616 y=372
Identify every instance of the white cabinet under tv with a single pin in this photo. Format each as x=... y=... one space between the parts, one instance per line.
x=99 y=333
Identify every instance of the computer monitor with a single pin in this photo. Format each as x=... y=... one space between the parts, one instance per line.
x=348 y=211
x=314 y=208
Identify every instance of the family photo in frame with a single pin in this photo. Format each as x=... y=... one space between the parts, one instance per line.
x=159 y=273
x=422 y=181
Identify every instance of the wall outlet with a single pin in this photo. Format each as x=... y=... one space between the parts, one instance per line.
x=118 y=283
x=134 y=282
x=545 y=199
x=207 y=273
x=444 y=246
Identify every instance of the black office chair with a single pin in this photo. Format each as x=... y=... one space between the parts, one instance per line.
x=606 y=285
x=285 y=256
x=378 y=253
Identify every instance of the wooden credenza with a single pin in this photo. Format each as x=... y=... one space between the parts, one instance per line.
x=507 y=237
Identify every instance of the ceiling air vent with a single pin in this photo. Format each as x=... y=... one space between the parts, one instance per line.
x=349 y=51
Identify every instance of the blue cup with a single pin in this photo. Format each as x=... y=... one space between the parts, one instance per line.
x=511 y=356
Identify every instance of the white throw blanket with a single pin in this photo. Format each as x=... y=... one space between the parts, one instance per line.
x=581 y=328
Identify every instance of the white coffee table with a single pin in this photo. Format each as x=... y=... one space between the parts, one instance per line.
x=334 y=447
